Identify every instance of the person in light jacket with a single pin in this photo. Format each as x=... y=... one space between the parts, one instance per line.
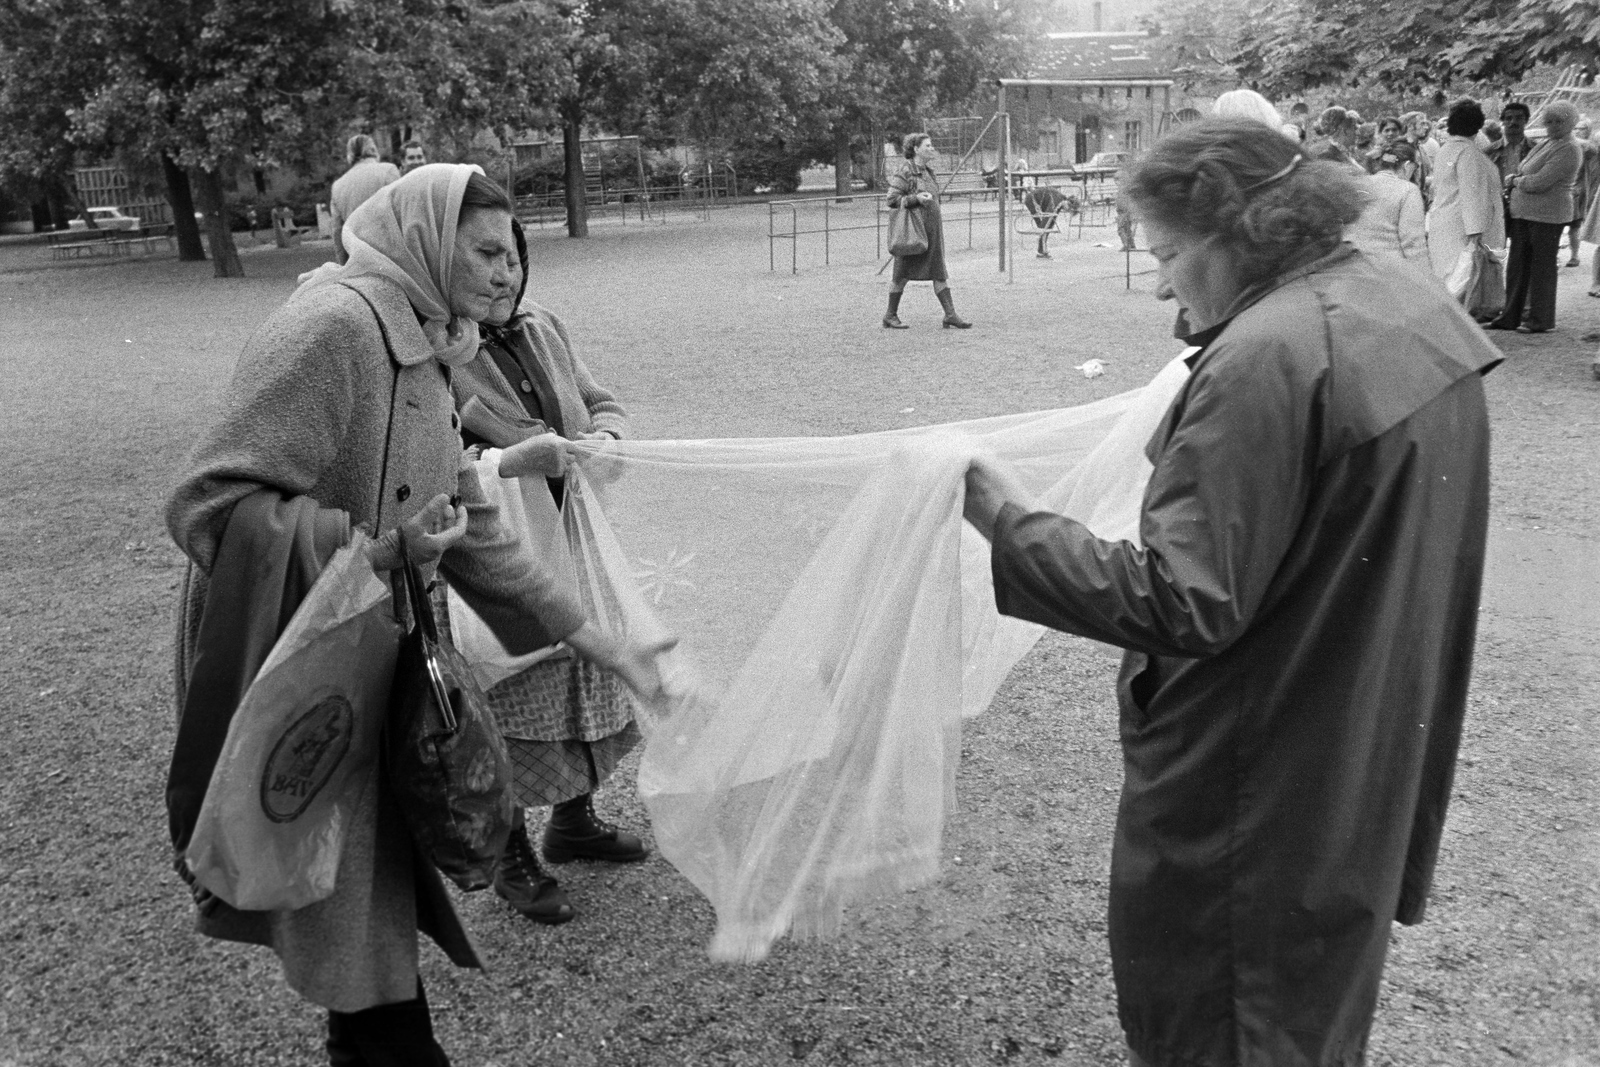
x=1392 y=221
x=1541 y=207
x=1467 y=208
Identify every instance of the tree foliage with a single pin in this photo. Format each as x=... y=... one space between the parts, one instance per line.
x=1290 y=46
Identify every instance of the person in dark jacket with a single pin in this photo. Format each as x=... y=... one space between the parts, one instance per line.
x=1045 y=203
x=1298 y=615
x=916 y=187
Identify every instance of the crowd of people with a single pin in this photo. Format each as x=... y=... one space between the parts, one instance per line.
x=1299 y=599
x=1511 y=185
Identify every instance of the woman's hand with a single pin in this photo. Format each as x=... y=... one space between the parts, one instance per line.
x=925 y=197
x=990 y=487
x=548 y=454
x=433 y=530
x=637 y=662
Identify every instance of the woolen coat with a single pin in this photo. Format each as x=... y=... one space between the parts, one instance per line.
x=1543 y=192
x=1299 y=625
x=308 y=413
x=904 y=186
x=1393 y=220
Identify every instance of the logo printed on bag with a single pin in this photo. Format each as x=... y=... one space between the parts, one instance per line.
x=304 y=758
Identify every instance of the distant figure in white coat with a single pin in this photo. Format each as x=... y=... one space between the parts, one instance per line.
x=1467 y=208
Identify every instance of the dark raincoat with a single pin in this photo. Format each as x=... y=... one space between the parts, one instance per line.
x=1299 y=631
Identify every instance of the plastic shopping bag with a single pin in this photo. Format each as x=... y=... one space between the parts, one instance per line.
x=1477 y=281
x=300 y=760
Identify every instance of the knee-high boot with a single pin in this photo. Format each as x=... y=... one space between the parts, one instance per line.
x=891 y=321
x=951 y=319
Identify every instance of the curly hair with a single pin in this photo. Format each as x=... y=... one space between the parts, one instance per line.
x=1249 y=187
x=908 y=146
x=1465 y=118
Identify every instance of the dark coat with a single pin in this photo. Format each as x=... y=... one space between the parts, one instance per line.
x=903 y=189
x=1299 y=627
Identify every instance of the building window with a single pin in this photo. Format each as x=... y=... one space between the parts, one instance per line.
x=1130 y=137
x=1148 y=92
x=1130 y=92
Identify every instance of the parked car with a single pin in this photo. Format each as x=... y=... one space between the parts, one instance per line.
x=106 y=218
x=1104 y=164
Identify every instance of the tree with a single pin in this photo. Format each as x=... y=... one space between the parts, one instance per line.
x=899 y=60
x=51 y=54
x=1293 y=45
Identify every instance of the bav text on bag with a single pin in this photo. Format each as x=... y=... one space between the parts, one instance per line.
x=447 y=763
x=908 y=233
x=301 y=756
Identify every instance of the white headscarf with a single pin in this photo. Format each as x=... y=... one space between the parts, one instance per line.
x=1248 y=104
x=406 y=233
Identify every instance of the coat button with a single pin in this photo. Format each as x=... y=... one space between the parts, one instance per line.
x=403 y=493
x=527 y=386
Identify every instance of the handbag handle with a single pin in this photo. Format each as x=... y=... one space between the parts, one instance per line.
x=422 y=616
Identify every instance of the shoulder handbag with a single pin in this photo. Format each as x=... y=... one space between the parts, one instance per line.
x=908 y=234
x=445 y=760
x=447 y=763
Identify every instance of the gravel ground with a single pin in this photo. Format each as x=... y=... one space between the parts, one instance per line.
x=109 y=369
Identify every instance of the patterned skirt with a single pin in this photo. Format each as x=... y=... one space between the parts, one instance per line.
x=567 y=723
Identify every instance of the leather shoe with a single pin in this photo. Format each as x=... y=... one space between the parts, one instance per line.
x=521 y=883
x=1533 y=329
x=892 y=322
x=1499 y=324
x=575 y=832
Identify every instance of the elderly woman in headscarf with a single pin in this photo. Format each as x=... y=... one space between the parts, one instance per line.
x=1541 y=207
x=339 y=415
x=1298 y=613
x=567 y=721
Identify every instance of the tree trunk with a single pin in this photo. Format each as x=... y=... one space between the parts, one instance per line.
x=843 y=166
x=214 y=203
x=181 y=199
x=572 y=148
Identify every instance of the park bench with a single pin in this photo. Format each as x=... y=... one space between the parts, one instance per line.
x=145 y=238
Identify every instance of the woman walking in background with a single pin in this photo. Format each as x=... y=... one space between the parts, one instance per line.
x=1583 y=189
x=1541 y=207
x=1467 y=209
x=916 y=187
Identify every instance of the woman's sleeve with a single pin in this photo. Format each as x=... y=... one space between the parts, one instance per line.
x=1477 y=192
x=606 y=415
x=1222 y=507
x=1413 y=226
x=283 y=417
x=1554 y=170
x=527 y=603
x=902 y=190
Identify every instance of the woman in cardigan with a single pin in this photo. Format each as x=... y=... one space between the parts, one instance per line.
x=567 y=722
x=916 y=187
x=1541 y=207
x=340 y=411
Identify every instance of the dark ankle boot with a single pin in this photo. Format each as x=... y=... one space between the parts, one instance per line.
x=891 y=321
x=522 y=883
x=576 y=833
x=951 y=319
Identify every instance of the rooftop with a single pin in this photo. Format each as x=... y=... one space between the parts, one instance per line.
x=1097 y=57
